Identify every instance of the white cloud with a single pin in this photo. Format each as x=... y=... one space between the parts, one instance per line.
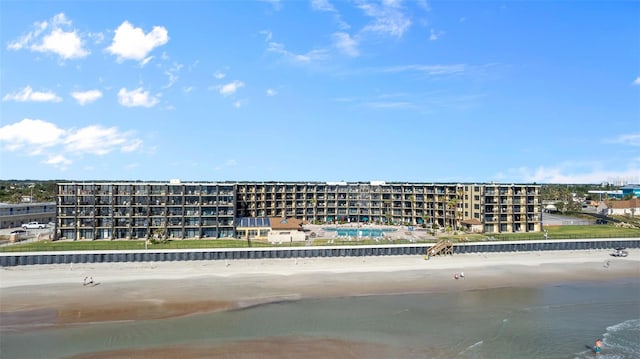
x=28 y=95
x=276 y=4
x=388 y=18
x=637 y=81
x=226 y=164
x=49 y=36
x=278 y=48
x=326 y=6
x=311 y=56
x=390 y=105
x=58 y=161
x=97 y=37
x=132 y=145
x=268 y=35
x=271 y=92
x=67 y=45
x=346 y=44
x=230 y=88
x=27 y=39
x=131 y=43
x=424 y=5
x=172 y=74
x=219 y=75
x=630 y=139
x=429 y=69
x=34 y=135
x=136 y=98
x=435 y=35
x=99 y=140
x=570 y=172
x=86 y=97
x=322 y=5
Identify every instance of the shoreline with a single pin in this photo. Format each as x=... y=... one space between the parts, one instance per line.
x=40 y=296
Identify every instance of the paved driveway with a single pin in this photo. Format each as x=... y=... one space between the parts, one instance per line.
x=552 y=219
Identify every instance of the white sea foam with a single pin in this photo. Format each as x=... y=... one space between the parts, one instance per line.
x=622 y=339
x=469 y=349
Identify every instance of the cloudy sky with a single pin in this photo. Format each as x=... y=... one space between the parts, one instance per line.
x=321 y=90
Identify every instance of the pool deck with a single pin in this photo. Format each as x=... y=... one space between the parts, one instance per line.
x=391 y=232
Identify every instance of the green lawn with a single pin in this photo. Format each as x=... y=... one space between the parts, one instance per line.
x=574 y=232
x=555 y=232
x=128 y=245
x=593 y=230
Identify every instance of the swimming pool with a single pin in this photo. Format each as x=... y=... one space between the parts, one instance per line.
x=359 y=232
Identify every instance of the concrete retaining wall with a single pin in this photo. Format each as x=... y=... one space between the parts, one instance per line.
x=31 y=258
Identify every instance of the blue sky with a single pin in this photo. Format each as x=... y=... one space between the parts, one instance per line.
x=417 y=91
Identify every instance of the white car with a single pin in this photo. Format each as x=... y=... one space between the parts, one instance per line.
x=620 y=253
x=34 y=225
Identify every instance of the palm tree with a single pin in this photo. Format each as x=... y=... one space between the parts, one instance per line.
x=412 y=200
x=452 y=204
x=387 y=211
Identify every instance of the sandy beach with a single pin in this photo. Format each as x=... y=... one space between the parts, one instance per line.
x=54 y=295
x=132 y=291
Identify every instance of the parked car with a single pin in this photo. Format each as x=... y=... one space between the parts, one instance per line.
x=33 y=225
x=620 y=253
x=19 y=232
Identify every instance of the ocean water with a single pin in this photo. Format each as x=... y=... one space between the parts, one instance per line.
x=559 y=321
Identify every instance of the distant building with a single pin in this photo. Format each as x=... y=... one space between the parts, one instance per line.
x=15 y=214
x=629 y=207
x=632 y=189
x=130 y=210
x=602 y=195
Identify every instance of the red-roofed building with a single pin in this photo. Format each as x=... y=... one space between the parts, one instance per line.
x=286 y=230
x=629 y=207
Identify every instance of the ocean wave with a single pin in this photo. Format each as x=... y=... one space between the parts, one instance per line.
x=621 y=339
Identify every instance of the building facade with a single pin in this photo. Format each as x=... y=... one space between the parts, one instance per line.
x=114 y=210
x=135 y=210
x=15 y=214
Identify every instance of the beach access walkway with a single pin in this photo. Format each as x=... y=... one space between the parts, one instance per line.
x=444 y=246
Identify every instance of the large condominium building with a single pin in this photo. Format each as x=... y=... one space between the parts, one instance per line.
x=115 y=210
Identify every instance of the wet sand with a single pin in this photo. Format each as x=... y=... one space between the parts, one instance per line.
x=273 y=348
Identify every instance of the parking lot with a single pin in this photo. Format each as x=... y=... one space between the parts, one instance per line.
x=23 y=235
x=553 y=219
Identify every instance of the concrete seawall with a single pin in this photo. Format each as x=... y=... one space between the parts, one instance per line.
x=32 y=258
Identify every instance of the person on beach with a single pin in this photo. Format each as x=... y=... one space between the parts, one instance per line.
x=84 y=282
x=598 y=346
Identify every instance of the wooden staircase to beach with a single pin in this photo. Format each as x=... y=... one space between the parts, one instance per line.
x=445 y=247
